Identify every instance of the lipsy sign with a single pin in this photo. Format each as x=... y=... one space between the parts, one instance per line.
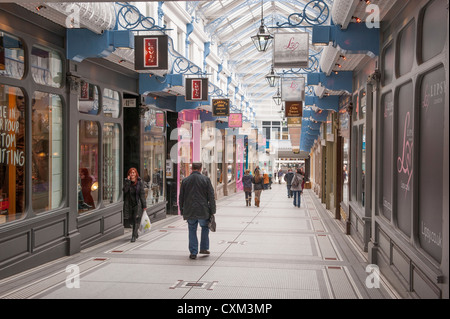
x=291 y=50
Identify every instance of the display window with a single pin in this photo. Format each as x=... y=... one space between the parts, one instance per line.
x=12 y=153
x=111 y=103
x=88 y=141
x=88 y=98
x=111 y=156
x=47 y=151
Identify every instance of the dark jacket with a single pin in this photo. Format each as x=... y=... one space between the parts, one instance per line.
x=299 y=177
x=140 y=198
x=288 y=178
x=258 y=186
x=247 y=182
x=197 y=197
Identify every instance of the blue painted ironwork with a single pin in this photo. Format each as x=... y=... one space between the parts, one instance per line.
x=130 y=18
x=318 y=13
x=182 y=65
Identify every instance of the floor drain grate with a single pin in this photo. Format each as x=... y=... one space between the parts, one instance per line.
x=208 y=285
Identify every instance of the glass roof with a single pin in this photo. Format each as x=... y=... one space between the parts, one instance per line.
x=232 y=23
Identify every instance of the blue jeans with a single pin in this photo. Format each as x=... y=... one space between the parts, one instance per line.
x=193 y=240
x=296 y=198
x=289 y=190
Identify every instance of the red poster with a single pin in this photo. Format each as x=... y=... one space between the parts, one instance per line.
x=197 y=89
x=151 y=52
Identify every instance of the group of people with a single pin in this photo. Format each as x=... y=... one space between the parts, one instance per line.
x=197 y=202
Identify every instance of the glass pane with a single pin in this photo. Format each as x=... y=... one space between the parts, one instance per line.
x=405 y=50
x=404 y=156
x=154 y=163
x=434 y=30
x=111 y=103
x=12 y=154
x=88 y=99
x=431 y=155
x=88 y=165
x=387 y=138
x=111 y=163
x=230 y=149
x=46 y=66
x=11 y=56
x=47 y=151
x=346 y=170
x=388 y=64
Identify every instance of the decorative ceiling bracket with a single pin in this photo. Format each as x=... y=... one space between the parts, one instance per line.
x=315 y=12
x=130 y=18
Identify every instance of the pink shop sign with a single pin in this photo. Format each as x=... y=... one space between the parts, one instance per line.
x=235 y=120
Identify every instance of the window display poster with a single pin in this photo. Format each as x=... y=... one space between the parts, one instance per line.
x=169 y=169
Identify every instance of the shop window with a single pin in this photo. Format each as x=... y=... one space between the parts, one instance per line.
x=111 y=163
x=405 y=49
x=431 y=163
x=388 y=64
x=46 y=66
x=47 y=151
x=88 y=184
x=404 y=156
x=433 y=35
x=219 y=157
x=12 y=56
x=12 y=153
x=111 y=103
x=154 y=163
x=387 y=126
x=230 y=155
x=88 y=99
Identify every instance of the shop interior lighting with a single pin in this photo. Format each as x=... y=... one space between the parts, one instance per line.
x=358 y=20
x=262 y=39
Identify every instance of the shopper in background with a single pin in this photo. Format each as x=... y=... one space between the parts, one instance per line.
x=247 y=183
x=288 y=179
x=296 y=187
x=258 y=186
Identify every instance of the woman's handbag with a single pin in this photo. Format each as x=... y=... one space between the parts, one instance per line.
x=212 y=223
x=145 y=225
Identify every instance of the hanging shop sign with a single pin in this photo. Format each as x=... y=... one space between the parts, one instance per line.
x=2 y=54
x=294 y=109
x=291 y=50
x=294 y=121
x=151 y=52
x=196 y=89
x=235 y=120
x=221 y=107
x=293 y=89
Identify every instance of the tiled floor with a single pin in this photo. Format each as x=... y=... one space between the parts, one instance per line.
x=275 y=251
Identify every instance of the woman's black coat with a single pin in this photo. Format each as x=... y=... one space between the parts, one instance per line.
x=140 y=198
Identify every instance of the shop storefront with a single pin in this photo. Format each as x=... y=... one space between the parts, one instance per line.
x=343 y=159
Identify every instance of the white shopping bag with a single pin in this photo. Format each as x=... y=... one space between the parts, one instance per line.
x=146 y=225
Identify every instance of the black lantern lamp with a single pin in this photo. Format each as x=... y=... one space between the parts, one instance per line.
x=262 y=39
x=277 y=97
x=272 y=78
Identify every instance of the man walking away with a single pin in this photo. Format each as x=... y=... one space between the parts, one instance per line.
x=197 y=203
x=288 y=179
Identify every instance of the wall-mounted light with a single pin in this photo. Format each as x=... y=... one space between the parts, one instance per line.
x=366 y=1
x=38 y=8
x=338 y=65
x=357 y=20
x=343 y=57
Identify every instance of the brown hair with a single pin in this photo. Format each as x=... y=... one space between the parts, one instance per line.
x=137 y=174
x=257 y=176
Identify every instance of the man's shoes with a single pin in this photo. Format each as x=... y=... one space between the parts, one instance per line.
x=133 y=239
x=204 y=252
x=191 y=256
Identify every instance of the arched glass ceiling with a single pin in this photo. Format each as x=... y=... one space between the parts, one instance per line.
x=231 y=23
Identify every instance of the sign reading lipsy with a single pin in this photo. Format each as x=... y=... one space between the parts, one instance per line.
x=291 y=50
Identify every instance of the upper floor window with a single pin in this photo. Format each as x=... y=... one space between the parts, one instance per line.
x=46 y=66
x=12 y=56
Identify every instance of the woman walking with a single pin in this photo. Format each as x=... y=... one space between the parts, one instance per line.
x=247 y=182
x=134 y=203
x=258 y=182
x=296 y=187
